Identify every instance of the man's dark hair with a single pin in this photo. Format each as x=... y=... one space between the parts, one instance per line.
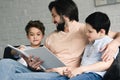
x=99 y=20
x=37 y=24
x=65 y=7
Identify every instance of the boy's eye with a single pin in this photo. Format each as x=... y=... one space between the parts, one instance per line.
x=31 y=34
x=38 y=34
x=90 y=31
x=54 y=16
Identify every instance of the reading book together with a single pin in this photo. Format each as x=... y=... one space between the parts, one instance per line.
x=48 y=58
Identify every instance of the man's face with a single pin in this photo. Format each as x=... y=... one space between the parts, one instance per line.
x=56 y=18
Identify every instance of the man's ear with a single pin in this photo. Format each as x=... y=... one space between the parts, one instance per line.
x=65 y=18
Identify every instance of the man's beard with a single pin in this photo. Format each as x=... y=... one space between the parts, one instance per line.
x=60 y=26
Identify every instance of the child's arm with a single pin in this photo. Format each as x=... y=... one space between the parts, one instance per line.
x=99 y=66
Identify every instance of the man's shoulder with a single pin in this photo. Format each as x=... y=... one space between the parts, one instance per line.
x=53 y=34
x=81 y=25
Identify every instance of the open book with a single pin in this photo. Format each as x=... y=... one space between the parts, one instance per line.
x=48 y=58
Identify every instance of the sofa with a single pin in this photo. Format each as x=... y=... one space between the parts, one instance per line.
x=113 y=73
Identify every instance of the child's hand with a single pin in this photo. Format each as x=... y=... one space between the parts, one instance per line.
x=76 y=71
x=67 y=72
x=71 y=72
x=21 y=47
x=33 y=63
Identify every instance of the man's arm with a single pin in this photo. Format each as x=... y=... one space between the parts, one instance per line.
x=111 y=48
x=115 y=36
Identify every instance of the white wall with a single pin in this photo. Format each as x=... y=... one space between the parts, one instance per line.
x=87 y=6
x=14 y=15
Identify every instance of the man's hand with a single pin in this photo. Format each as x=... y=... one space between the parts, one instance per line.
x=109 y=50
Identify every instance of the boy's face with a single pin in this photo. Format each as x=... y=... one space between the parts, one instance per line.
x=35 y=36
x=56 y=18
x=91 y=33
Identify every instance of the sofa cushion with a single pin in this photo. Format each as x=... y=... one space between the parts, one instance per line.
x=113 y=73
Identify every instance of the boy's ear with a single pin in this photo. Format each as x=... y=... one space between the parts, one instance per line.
x=27 y=36
x=43 y=36
x=102 y=31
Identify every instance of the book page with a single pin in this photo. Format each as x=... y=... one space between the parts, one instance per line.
x=49 y=59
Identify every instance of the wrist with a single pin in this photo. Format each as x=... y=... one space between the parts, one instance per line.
x=83 y=69
x=117 y=42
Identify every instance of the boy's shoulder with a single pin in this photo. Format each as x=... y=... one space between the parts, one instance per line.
x=99 y=43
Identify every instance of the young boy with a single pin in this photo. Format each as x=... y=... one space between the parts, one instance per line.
x=35 y=31
x=92 y=67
